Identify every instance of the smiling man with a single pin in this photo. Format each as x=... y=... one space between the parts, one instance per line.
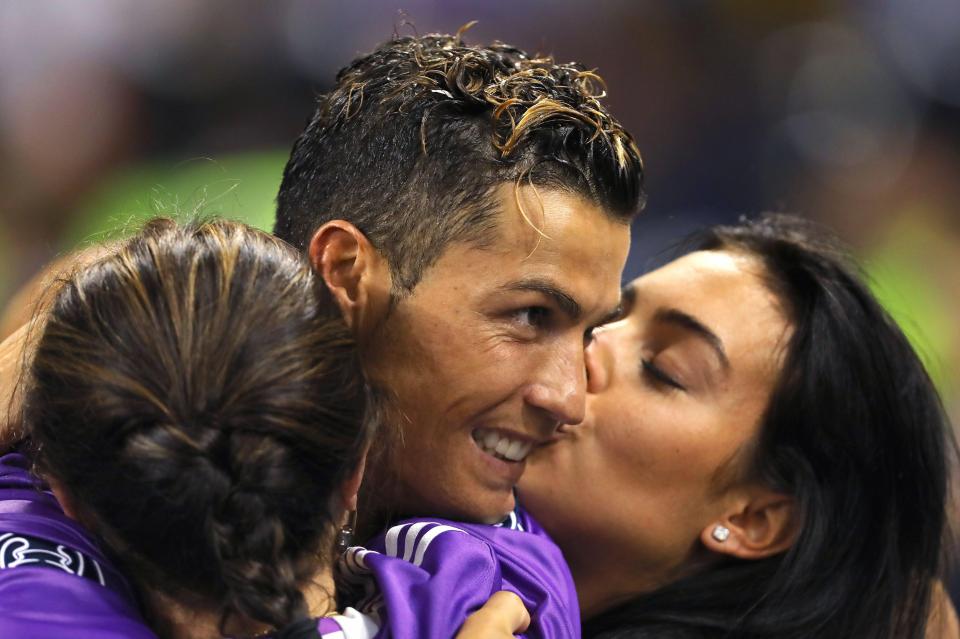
x=485 y=358
x=469 y=209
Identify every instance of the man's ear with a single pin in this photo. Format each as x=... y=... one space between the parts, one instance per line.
x=758 y=524
x=356 y=274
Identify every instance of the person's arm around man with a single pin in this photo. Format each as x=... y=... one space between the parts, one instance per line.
x=18 y=328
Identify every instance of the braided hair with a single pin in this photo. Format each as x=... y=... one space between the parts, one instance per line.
x=202 y=402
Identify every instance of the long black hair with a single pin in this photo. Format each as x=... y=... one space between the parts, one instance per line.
x=856 y=433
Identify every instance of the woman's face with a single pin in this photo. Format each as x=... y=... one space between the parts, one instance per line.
x=675 y=395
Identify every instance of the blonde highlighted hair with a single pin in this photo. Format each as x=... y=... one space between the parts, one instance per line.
x=415 y=137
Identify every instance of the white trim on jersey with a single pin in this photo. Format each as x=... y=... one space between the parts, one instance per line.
x=511 y=522
x=358 y=556
x=417 y=550
x=356 y=625
x=428 y=538
x=354 y=574
x=392 y=538
x=410 y=537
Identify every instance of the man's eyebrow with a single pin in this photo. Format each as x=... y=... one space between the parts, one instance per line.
x=564 y=300
x=690 y=323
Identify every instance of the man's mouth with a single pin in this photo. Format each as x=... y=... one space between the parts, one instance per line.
x=500 y=445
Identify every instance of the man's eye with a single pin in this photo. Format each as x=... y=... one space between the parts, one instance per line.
x=532 y=316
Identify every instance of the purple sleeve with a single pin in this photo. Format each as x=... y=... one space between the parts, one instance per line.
x=429 y=577
x=43 y=594
x=424 y=577
x=533 y=567
x=46 y=604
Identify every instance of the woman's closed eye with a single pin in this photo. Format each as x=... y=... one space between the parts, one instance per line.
x=657 y=375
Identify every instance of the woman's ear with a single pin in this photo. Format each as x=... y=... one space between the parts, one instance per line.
x=64 y=498
x=356 y=274
x=351 y=487
x=759 y=524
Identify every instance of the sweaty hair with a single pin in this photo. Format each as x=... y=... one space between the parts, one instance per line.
x=202 y=405
x=415 y=136
x=856 y=433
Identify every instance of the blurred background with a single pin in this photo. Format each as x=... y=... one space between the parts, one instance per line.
x=847 y=112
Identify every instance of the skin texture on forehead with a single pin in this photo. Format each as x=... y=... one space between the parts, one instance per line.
x=492 y=338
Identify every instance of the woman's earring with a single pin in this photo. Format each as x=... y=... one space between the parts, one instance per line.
x=345 y=536
x=720 y=533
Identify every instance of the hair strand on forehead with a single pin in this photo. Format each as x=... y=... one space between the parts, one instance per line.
x=415 y=162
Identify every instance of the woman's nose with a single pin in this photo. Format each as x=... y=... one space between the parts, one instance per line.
x=598 y=359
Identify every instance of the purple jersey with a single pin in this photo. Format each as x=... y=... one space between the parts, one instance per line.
x=54 y=580
x=421 y=578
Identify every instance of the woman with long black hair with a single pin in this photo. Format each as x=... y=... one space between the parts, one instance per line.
x=764 y=454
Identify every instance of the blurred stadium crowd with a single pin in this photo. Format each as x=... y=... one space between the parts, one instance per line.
x=848 y=112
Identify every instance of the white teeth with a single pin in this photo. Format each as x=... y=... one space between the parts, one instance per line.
x=493 y=443
x=514 y=451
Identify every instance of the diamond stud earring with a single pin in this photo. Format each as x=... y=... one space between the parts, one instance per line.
x=720 y=533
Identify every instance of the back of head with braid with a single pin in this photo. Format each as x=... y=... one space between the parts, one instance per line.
x=202 y=404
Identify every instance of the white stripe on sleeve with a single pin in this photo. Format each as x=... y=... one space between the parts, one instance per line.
x=428 y=538
x=393 y=536
x=410 y=537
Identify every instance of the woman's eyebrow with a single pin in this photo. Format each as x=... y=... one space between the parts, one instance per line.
x=628 y=295
x=688 y=322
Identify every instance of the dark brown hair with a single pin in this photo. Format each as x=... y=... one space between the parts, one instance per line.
x=415 y=136
x=855 y=432
x=202 y=404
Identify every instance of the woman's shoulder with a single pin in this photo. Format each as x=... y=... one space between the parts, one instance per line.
x=29 y=509
x=54 y=580
x=42 y=603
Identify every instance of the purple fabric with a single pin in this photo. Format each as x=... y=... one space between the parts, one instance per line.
x=43 y=602
x=327 y=625
x=423 y=577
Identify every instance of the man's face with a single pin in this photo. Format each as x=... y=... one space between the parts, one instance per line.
x=484 y=359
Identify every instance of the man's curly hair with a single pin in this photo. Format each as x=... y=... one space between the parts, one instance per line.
x=416 y=135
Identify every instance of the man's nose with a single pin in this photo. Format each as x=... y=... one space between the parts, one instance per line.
x=560 y=387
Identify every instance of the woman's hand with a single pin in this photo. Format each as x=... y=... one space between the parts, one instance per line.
x=502 y=616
